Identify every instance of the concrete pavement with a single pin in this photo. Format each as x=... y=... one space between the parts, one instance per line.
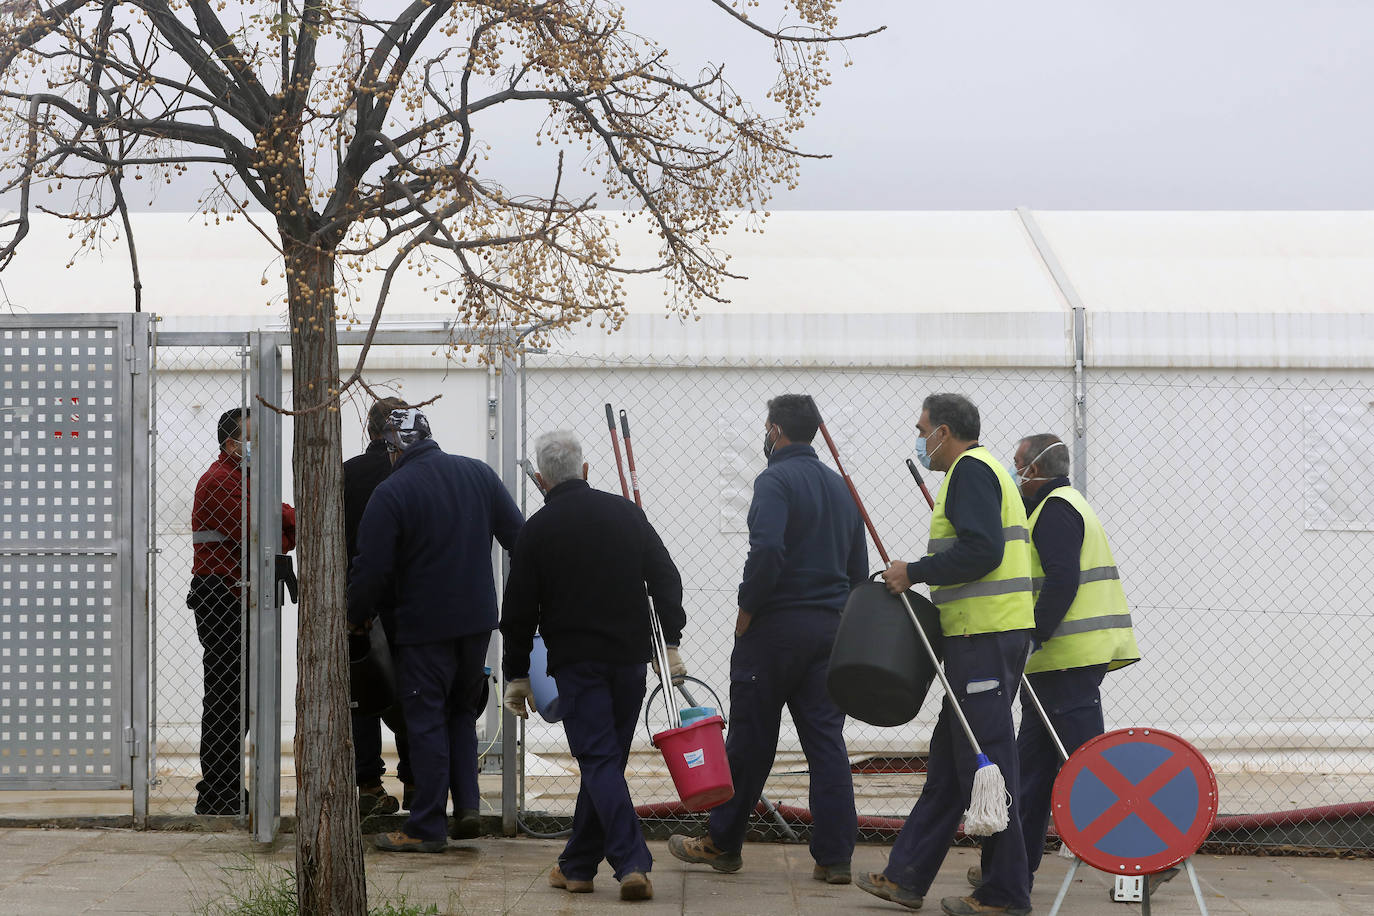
x=122 y=871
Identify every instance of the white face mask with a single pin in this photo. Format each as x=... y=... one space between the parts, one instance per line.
x=246 y=452
x=1023 y=474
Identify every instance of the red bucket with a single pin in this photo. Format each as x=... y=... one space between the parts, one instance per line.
x=695 y=755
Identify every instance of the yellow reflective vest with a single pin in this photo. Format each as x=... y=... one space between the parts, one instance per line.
x=1002 y=600
x=1097 y=628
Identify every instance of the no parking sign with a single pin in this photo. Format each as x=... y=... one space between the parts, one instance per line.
x=1135 y=801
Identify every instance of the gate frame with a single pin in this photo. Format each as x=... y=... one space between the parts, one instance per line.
x=264 y=683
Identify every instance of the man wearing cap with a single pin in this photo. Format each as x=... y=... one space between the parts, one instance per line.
x=218 y=536
x=424 y=546
x=578 y=574
x=1082 y=631
x=978 y=568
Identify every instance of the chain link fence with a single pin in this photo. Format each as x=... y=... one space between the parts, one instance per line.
x=1237 y=507
x=194 y=386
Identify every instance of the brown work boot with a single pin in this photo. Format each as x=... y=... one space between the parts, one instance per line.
x=882 y=887
x=636 y=886
x=560 y=880
x=832 y=874
x=700 y=850
x=972 y=906
x=400 y=841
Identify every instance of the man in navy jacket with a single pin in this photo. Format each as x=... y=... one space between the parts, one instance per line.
x=424 y=547
x=806 y=552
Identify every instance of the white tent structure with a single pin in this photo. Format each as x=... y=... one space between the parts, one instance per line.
x=1213 y=370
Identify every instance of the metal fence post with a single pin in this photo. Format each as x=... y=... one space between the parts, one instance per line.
x=508 y=425
x=264 y=712
x=140 y=557
x=1080 y=318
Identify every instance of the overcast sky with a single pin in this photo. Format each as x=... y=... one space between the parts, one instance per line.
x=1055 y=104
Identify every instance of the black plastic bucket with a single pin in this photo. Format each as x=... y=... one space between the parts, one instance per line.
x=371 y=677
x=879 y=671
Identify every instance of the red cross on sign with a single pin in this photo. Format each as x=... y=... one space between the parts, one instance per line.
x=1134 y=801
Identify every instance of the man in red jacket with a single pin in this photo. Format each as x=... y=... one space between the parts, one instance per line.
x=218 y=536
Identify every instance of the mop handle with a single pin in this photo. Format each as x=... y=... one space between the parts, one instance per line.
x=665 y=678
x=915 y=621
x=911 y=466
x=529 y=472
x=853 y=491
x=630 y=457
x=615 y=444
x=1044 y=716
x=1025 y=681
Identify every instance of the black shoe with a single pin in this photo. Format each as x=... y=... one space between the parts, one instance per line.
x=407 y=795
x=374 y=800
x=467 y=825
x=974 y=876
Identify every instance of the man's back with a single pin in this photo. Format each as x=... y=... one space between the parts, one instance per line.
x=428 y=529
x=362 y=475
x=580 y=569
x=806 y=539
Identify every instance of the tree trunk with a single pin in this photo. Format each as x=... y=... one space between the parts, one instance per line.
x=329 y=851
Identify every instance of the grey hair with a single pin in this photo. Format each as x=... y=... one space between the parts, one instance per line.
x=1048 y=452
x=955 y=411
x=559 y=454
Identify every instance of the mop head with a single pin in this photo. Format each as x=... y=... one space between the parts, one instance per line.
x=989 y=803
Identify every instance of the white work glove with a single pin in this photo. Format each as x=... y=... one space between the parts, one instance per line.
x=676 y=667
x=519 y=697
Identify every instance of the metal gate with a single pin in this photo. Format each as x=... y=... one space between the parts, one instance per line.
x=73 y=557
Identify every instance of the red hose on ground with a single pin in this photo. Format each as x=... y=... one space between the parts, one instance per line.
x=1227 y=823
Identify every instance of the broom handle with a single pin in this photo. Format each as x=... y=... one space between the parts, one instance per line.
x=835 y=454
x=906 y=603
x=615 y=444
x=630 y=457
x=1025 y=681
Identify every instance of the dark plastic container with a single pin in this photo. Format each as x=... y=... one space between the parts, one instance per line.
x=879 y=671
x=371 y=677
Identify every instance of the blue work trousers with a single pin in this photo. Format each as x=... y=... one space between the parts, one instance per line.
x=985 y=671
x=1073 y=700
x=782 y=660
x=600 y=704
x=443 y=687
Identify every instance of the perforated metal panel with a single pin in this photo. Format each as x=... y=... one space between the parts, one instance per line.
x=64 y=554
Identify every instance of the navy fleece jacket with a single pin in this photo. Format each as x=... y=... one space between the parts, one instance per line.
x=425 y=537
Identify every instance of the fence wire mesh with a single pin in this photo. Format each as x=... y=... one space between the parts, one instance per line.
x=1237 y=506
x=194 y=386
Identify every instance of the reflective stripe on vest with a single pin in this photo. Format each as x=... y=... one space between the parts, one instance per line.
x=1097 y=628
x=1012 y=533
x=1002 y=600
x=208 y=537
x=1100 y=574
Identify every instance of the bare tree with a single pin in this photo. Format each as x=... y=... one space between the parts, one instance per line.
x=352 y=140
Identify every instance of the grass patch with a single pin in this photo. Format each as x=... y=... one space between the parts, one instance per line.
x=253 y=889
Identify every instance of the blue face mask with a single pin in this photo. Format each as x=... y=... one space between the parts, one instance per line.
x=921 y=454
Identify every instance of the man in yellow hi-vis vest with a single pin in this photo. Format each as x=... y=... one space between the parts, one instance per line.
x=978 y=567
x=1082 y=631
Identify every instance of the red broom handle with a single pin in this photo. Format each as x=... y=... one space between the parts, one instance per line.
x=615 y=444
x=835 y=453
x=630 y=457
